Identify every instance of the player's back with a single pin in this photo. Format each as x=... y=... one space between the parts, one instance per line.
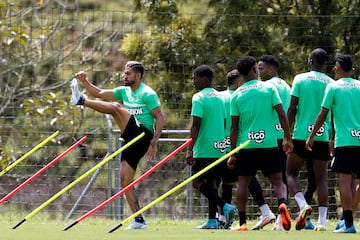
x=309 y=88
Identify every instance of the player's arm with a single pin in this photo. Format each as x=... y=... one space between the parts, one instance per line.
x=234 y=132
x=332 y=136
x=291 y=113
x=106 y=94
x=287 y=143
x=159 y=125
x=194 y=132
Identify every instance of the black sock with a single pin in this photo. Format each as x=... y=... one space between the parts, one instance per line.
x=227 y=193
x=212 y=209
x=282 y=200
x=81 y=100
x=349 y=221
x=256 y=191
x=211 y=193
x=242 y=218
x=139 y=219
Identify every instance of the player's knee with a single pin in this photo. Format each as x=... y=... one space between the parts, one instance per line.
x=116 y=109
x=116 y=106
x=124 y=182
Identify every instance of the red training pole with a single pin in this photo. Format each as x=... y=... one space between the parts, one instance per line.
x=21 y=186
x=125 y=189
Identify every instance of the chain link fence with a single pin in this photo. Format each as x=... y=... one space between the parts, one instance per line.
x=91 y=42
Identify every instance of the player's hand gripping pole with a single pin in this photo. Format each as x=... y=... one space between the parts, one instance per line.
x=11 y=166
x=46 y=167
x=79 y=179
x=128 y=187
x=176 y=188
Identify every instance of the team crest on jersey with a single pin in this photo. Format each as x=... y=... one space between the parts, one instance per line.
x=223 y=145
x=257 y=136
x=319 y=133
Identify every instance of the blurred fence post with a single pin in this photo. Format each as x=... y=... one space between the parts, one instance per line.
x=109 y=175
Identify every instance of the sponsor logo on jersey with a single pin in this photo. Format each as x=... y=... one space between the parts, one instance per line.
x=355 y=133
x=136 y=111
x=223 y=145
x=324 y=79
x=278 y=127
x=319 y=133
x=257 y=136
x=350 y=85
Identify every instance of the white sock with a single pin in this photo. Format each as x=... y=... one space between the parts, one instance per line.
x=300 y=199
x=322 y=216
x=265 y=210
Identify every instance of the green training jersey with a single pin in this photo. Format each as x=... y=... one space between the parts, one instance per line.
x=139 y=103
x=284 y=92
x=254 y=103
x=208 y=104
x=342 y=98
x=309 y=88
x=227 y=98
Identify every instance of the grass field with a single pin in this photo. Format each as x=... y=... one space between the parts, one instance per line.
x=158 y=229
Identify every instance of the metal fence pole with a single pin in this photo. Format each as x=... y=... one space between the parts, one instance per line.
x=109 y=175
x=189 y=196
x=119 y=202
x=86 y=189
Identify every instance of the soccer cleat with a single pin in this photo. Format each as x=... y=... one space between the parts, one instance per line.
x=137 y=225
x=76 y=97
x=319 y=228
x=303 y=216
x=263 y=221
x=309 y=225
x=345 y=229
x=221 y=222
x=277 y=227
x=340 y=224
x=243 y=227
x=229 y=213
x=209 y=224
x=285 y=216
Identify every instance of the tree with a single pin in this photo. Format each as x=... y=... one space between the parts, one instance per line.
x=41 y=48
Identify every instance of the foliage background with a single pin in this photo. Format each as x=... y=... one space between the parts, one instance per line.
x=42 y=46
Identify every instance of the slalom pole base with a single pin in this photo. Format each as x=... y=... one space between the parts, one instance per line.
x=19 y=223
x=70 y=225
x=114 y=228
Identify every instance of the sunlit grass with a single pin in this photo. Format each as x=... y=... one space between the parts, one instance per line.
x=97 y=228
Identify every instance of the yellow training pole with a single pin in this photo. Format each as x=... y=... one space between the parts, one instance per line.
x=11 y=166
x=76 y=181
x=176 y=188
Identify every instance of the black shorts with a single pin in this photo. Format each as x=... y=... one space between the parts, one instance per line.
x=227 y=175
x=135 y=152
x=346 y=160
x=249 y=161
x=201 y=163
x=320 y=150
